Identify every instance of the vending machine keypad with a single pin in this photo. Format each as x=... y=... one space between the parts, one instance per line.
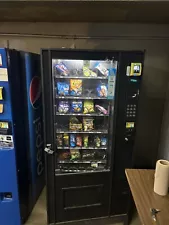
x=131 y=110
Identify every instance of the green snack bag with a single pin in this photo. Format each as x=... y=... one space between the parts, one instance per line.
x=88 y=106
x=86 y=141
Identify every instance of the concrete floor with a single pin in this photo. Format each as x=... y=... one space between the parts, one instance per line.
x=38 y=216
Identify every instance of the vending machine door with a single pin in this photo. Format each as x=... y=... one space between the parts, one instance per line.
x=34 y=126
x=79 y=96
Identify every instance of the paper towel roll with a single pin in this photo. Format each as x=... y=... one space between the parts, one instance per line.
x=161 y=180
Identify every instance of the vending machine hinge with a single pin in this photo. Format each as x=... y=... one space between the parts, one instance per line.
x=48 y=149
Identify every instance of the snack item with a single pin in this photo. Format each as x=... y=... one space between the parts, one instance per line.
x=75 y=124
x=86 y=71
x=76 y=106
x=75 y=154
x=63 y=107
x=64 y=155
x=88 y=124
x=63 y=88
x=102 y=69
x=72 y=140
x=78 y=141
x=59 y=140
x=88 y=155
x=66 y=140
x=97 y=141
x=62 y=69
x=75 y=87
x=101 y=109
x=86 y=141
x=103 y=141
x=102 y=90
x=88 y=106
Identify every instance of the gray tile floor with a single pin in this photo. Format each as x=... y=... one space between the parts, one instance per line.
x=38 y=216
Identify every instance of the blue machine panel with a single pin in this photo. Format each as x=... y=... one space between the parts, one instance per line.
x=21 y=135
x=9 y=202
x=35 y=122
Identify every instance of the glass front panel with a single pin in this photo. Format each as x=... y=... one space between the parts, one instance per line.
x=84 y=103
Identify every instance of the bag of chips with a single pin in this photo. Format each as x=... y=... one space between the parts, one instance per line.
x=59 y=140
x=75 y=87
x=97 y=141
x=88 y=106
x=66 y=140
x=63 y=107
x=63 y=155
x=62 y=69
x=72 y=140
x=101 y=109
x=88 y=124
x=103 y=141
x=76 y=106
x=102 y=69
x=78 y=141
x=102 y=90
x=86 y=70
x=75 y=124
x=75 y=154
x=86 y=141
x=88 y=155
x=63 y=88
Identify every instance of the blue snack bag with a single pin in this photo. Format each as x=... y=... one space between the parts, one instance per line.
x=76 y=106
x=102 y=90
x=72 y=140
x=62 y=69
x=102 y=69
x=63 y=88
x=103 y=141
x=63 y=107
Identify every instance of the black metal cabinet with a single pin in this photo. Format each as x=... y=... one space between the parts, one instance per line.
x=82 y=196
x=127 y=111
x=86 y=156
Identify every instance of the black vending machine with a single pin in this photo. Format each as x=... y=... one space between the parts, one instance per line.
x=91 y=103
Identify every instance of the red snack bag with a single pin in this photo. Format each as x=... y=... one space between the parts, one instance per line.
x=79 y=141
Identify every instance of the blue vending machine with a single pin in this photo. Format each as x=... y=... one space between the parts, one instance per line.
x=21 y=135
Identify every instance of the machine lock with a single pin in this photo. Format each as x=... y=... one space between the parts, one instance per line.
x=48 y=149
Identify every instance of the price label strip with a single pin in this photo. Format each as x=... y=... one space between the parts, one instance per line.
x=112 y=80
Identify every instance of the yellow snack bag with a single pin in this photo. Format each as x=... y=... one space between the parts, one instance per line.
x=75 y=87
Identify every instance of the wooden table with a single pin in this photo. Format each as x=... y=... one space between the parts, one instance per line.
x=141 y=183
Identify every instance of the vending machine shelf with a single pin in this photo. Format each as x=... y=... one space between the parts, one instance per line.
x=81 y=97
x=80 y=114
x=95 y=148
x=81 y=77
x=81 y=132
x=82 y=161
